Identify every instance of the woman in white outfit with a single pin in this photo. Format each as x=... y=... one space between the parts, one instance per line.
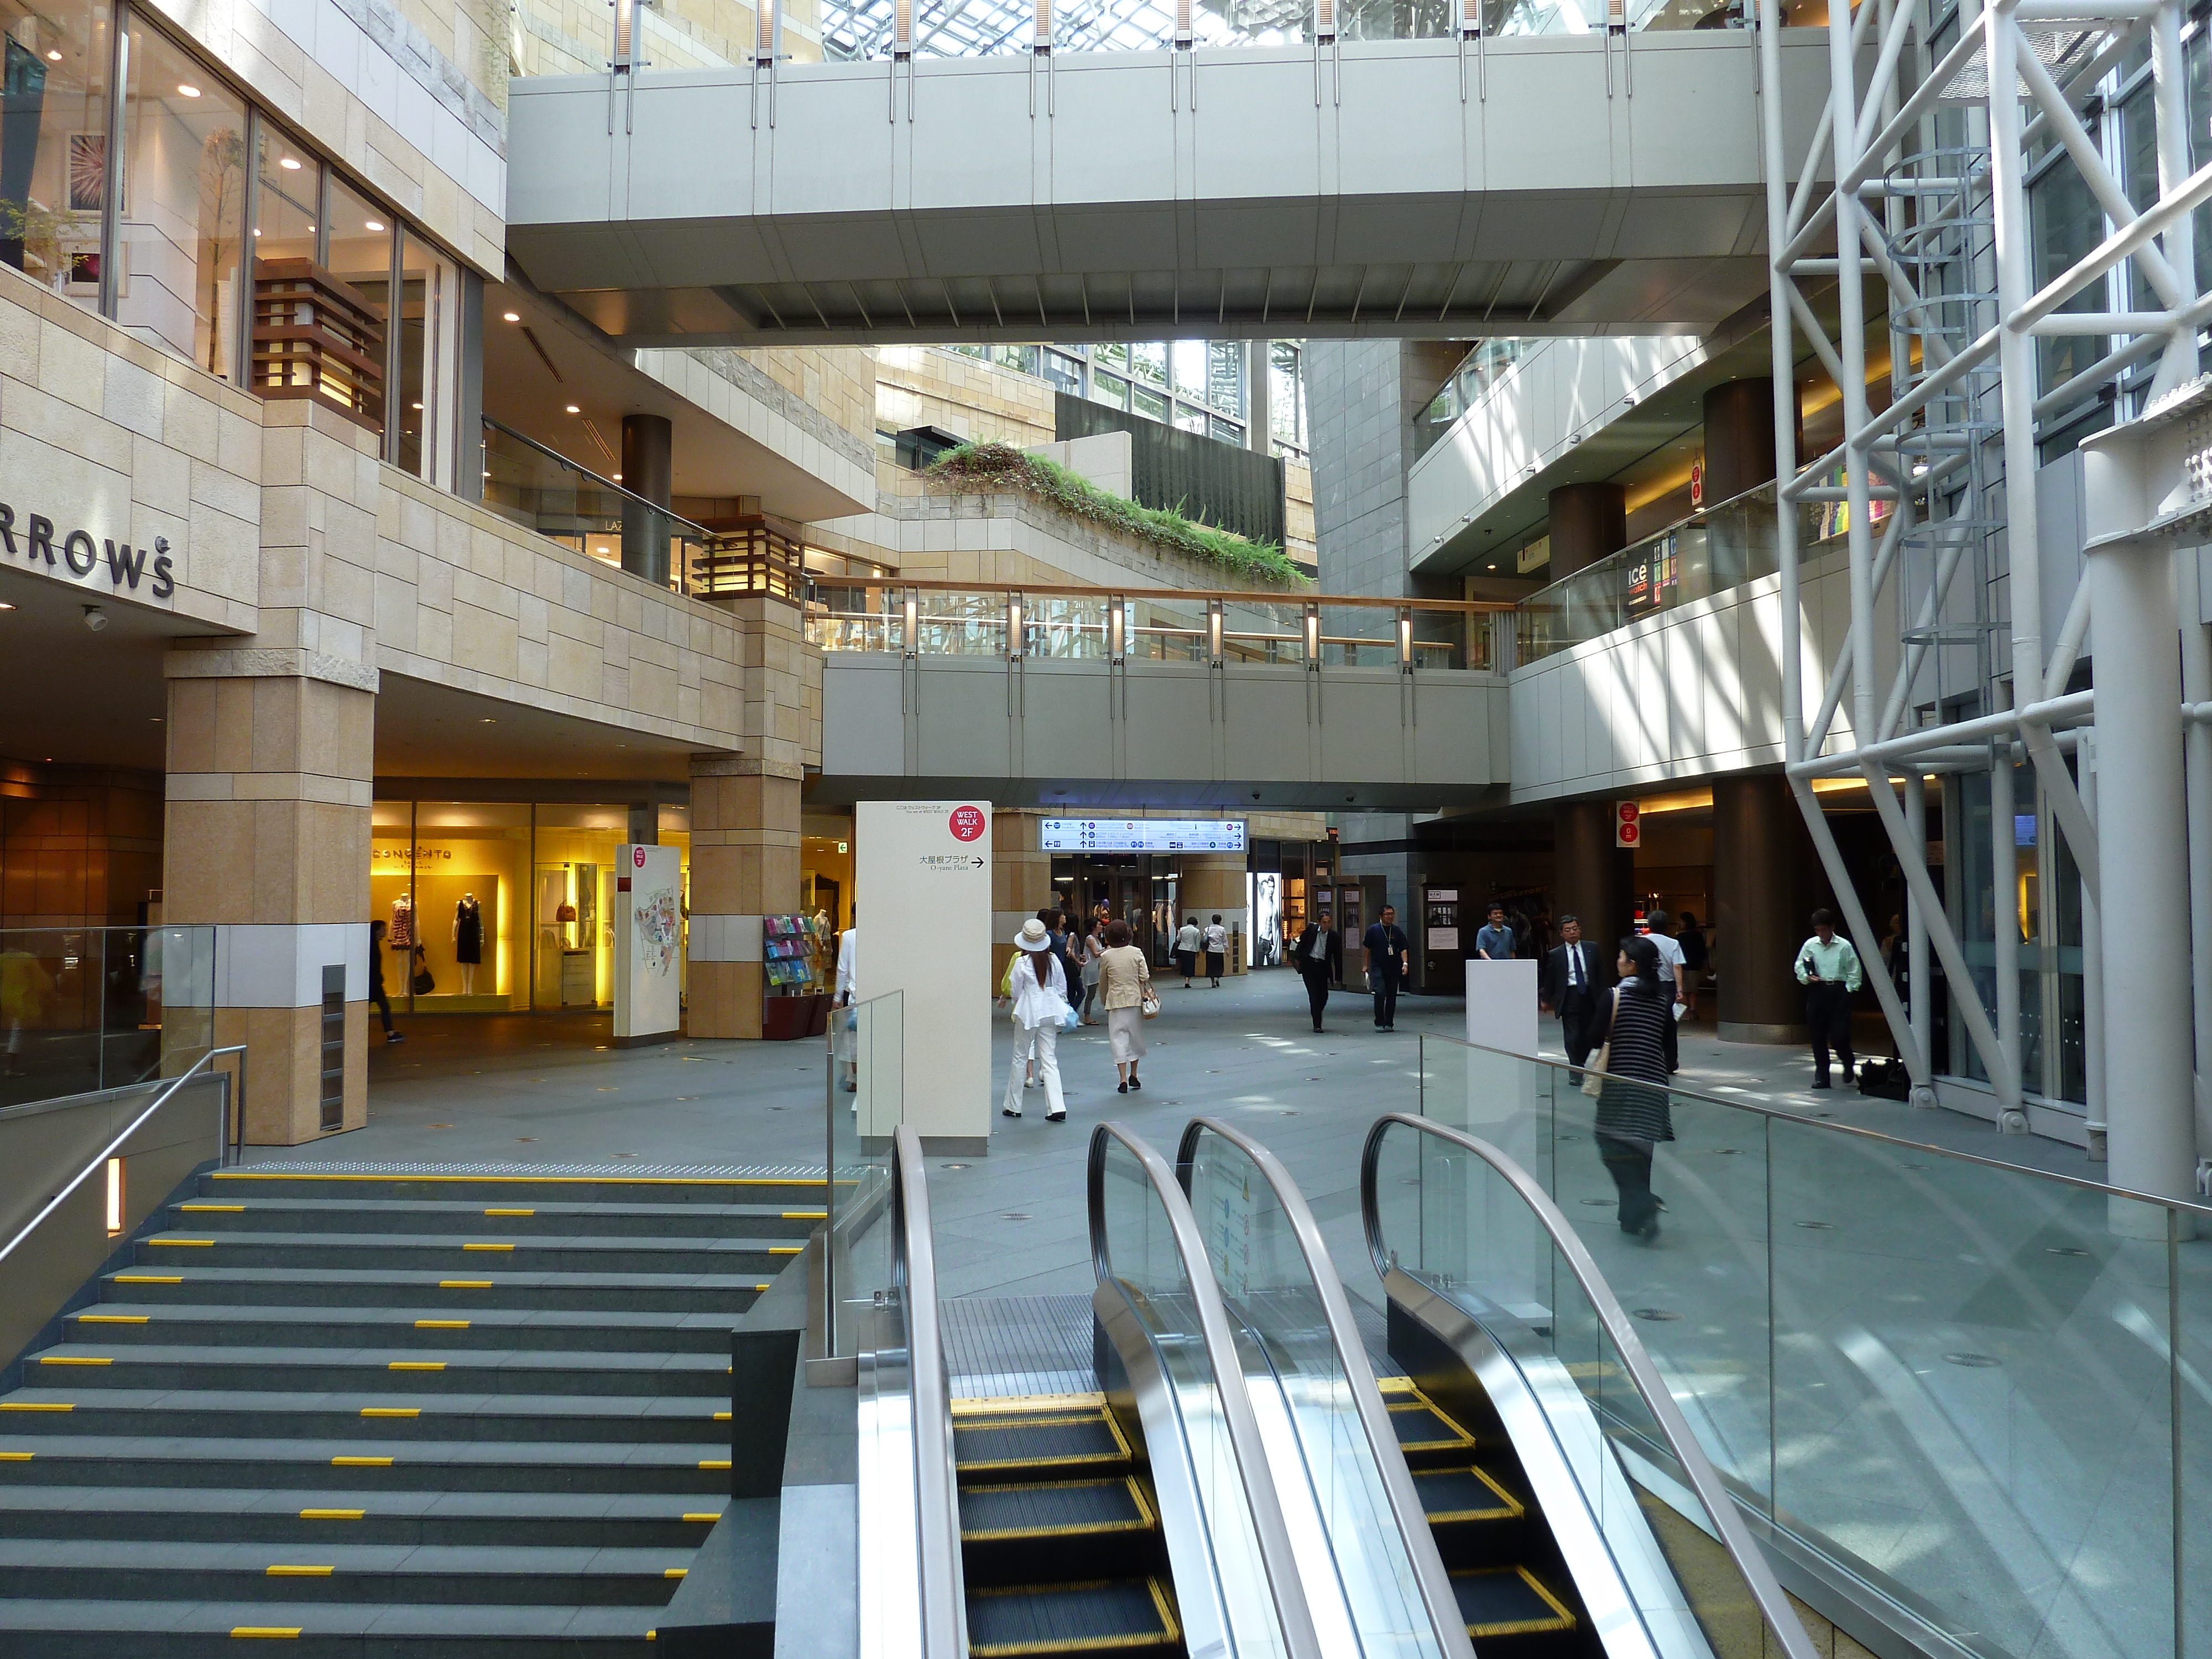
x=1125 y=980
x=1037 y=987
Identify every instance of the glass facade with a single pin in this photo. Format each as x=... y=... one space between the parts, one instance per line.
x=496 y=907
x=206 y=175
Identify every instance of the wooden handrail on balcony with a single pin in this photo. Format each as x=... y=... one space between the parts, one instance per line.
x=1227 y=596
x=316 y=336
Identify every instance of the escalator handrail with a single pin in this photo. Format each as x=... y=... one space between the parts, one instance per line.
x=937 y=1501
x=1292 y=1616
x=1405 y=1505
x=1697 y=1469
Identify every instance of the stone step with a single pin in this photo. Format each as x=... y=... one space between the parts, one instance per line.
x=422 y=1574
x=459 y=1252
x=136 y=1321
x=267 y=1414
x=198 y=1629
x=480 y=1285
x=358 y=1463
x=629 y=1520
x=792 y=1192
x=230 y=1213
x=86 y=1367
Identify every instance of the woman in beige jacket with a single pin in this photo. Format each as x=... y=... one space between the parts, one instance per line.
x=1125 y=980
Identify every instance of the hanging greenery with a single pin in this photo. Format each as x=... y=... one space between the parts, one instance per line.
x=993 y=467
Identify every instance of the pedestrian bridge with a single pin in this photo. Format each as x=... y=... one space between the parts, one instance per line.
x=1575 y=184
x=1060 y=695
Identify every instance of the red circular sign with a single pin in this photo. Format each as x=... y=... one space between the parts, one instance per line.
x=637 y=855
x=1629 y=810
x=968 y=823
x=1631 y=834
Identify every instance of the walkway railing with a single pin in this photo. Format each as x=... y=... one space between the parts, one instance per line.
x=1010 y=621
x=1975 y=1398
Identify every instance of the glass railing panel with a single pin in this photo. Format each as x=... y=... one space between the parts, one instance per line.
x=961 y=624
x=866 y=1102
x=1140 y=1252
x=1266 y=1283
x=544 y=492
x=1358 y=636
x=1165 y=630
x=1059 y=626
x=83 y=1009
x=1971 y=1386
x=855 y=617
x=1450 y=1220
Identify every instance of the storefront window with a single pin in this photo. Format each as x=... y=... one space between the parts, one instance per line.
x=183 y=217
x=571 y=916
x=53 y=143
x=469 y=867
x=287 y=203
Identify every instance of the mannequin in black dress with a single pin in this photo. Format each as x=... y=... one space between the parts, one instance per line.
x=468 y=940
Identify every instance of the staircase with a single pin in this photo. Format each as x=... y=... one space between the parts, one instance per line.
x=439 y=1412
x=1059 y=1538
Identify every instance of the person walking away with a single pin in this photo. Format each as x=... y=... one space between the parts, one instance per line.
x=1185 y=949
x=1318 y=954
x=1690 y=974
x=1493 y=941
x=1056 y=926
x=1216 y=951
x=1125 y=980
x=24 y=984
x=1037 y=986
x=1092 y=948
x=1572 y=984
x=1670 y=962
x=1828 y=967
x=380 y=998
x=1633 y=1117
x=1387 y=954
x=847 y=1024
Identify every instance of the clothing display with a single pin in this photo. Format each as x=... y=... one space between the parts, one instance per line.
x=400 y=935
x=468 y=930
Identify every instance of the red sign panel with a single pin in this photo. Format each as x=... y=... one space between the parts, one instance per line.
x=968 y=823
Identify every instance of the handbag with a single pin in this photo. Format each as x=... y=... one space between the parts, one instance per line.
x=1593 y=1082
x=1151 y=1006
x=422 y=984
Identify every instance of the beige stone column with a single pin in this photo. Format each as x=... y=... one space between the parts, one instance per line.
x=1213 y=885
x=1021 y=882
x=744 y=865
x=267 y=810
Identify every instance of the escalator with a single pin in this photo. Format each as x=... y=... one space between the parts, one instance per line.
x=1137 y=1519
x=1511 y=1478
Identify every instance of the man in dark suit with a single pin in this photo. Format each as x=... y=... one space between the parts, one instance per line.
x=1389 y=957
x=1574 y=977
x=1319 y=954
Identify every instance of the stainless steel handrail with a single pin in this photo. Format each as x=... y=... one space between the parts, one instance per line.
x=1405 y=1505
x=937 y=1498
x=109 y=1151
x=1292 y=1616
x=1704 y=1479
x=2185 y=1205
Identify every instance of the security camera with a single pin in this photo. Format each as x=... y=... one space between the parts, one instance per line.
x=94 y=619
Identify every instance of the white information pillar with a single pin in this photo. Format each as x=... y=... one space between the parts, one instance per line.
x=649 y=945
x=1493 y=1090
x=921 y=876
x=2146 y=488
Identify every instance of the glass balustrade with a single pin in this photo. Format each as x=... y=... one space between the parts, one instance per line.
x=91 y=1008
x=866 y=1105
x=545 y=492
x=1982 y=1392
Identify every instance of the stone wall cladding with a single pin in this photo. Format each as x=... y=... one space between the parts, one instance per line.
x=924 y=385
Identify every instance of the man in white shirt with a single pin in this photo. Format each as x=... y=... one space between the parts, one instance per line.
x=1661 y=927
x=1216 y=951
x=1187 y=941
x=848 y=966
x=1828 y=967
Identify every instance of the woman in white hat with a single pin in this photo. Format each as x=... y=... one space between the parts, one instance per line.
x=1037 y=985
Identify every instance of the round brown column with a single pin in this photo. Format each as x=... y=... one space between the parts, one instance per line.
x=648 y=456
x=1591 y=878
x=1739 y=438
x=1764 y=890
x=1588 y=522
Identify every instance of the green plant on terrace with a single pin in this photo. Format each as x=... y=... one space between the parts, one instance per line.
x=993 y=467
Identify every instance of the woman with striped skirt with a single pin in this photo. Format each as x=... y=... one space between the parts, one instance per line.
x=1631 y=1105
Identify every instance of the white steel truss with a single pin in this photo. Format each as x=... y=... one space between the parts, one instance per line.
x=1927 y=149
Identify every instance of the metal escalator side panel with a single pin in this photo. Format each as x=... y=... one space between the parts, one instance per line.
x=1335 y=1416
x=1489 y=1266
x=1160 y=1309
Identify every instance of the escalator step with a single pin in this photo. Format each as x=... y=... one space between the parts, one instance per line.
x=1508 y=1601
x=1064 y=1440
x=1053 y=1508
x=1423 y=1427
x=1101 y=1616
x=1464 y=1494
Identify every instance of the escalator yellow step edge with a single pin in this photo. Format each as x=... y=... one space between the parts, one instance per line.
x=1023 y=1404
x=1170 y=1633
x=1562 y=1619
x=1510 y=1508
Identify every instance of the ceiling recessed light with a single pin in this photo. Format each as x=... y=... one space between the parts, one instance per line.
x=54 y=57
x=512 y=316
x=288 y=165
x=573 y=410
x=188 y=91
x=617 y=476
x=488 y=721
x=372 y=224
x=4 y=605
x=413 y=405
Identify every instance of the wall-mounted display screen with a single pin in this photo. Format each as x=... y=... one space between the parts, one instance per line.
x=1143 y=835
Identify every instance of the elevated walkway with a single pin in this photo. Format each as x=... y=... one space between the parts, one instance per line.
x=1577 y=184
